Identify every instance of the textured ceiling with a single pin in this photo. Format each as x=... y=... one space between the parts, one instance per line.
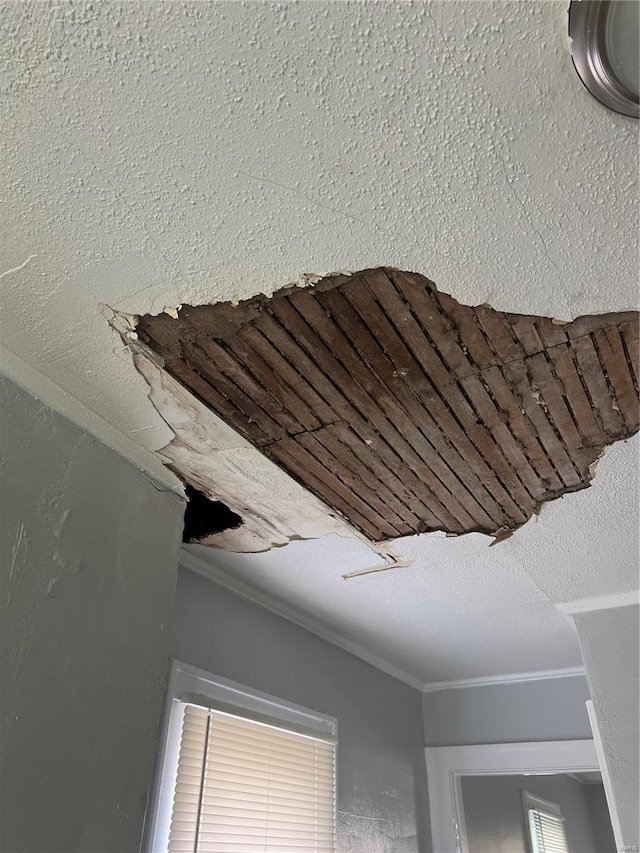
x=459 y=609
x=159 y=154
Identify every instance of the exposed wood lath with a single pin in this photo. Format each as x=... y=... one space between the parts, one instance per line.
x=405 y=410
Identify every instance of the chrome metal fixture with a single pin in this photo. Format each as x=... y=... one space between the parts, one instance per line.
x=605 y=48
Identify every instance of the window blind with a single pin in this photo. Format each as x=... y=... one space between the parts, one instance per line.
x=547 y=832
x=247 y=787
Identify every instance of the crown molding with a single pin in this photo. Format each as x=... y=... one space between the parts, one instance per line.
x=601 y=602
x=194 y=563
x=61 y=401
x=509 y=678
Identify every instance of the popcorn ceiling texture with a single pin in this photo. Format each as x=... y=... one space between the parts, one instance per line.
x=163 y=153
x=160 y=154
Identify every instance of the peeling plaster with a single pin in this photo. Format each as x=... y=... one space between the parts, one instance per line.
x=214 y=459
x=494 y=414
x=217 y=461
x=166 y=153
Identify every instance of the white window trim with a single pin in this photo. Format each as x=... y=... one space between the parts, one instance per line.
x=531 y=802
x=189 y=681
x=446 y=765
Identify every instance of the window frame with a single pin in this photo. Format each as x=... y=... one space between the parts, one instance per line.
x=533 y=803
x=187 y=682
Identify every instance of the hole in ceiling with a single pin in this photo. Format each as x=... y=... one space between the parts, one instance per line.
x=401 y=408
x=204 y=517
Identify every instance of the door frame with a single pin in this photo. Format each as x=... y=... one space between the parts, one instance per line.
x=446 y=765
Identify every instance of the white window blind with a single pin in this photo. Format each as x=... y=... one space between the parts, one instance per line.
x=546 y=826
x=246 y=787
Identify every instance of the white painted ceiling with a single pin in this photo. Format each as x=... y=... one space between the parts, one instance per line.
x=166 y=153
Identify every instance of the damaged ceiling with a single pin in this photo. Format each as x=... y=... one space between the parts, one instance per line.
x=166 y=154
x=404 y=410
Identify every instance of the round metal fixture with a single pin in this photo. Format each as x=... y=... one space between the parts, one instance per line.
x=605 y=48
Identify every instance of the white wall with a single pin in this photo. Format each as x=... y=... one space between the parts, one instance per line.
x=609 y=641
x=88 y=556
x=382 y=794
x=551 y=709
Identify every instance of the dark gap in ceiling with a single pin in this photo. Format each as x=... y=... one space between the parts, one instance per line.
x=405 y=410
x=204 y=517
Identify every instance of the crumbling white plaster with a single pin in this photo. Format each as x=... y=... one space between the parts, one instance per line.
x=217 y=461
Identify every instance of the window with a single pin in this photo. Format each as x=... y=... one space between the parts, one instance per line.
x=242 y=772
x=545 y=825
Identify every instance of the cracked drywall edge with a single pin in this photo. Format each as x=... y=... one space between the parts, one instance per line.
x=230 y=484
x=228 y=316
x=144 y=359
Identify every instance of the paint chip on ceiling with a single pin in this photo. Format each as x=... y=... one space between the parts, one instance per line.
x=404 y=410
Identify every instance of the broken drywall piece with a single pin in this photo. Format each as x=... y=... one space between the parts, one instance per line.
x=312 y=278
x=211 y=457
x=404 y=410
x=594 y=465
x=500 y=536
x=130 y=320
x=393 y=562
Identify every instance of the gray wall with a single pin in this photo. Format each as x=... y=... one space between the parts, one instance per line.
x=495 y=818
x=600 y=821
x=609 y=641
x=382 y=795
x=88 y=563
x=553 y=709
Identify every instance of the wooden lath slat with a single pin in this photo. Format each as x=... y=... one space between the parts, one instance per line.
x=486 y=353
x=596 y=383
x=449 y=509
x=434 y=453
x=308 y=468
x=341 y=440
x=209 y=394
x=514 y=366
x=610 y=347
x=486 y=388
x=401 y=408
x=451 y=409
x=456 y=473
x=341 y=405
x=549 y=393
x=575 y=395
x=631 y=345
